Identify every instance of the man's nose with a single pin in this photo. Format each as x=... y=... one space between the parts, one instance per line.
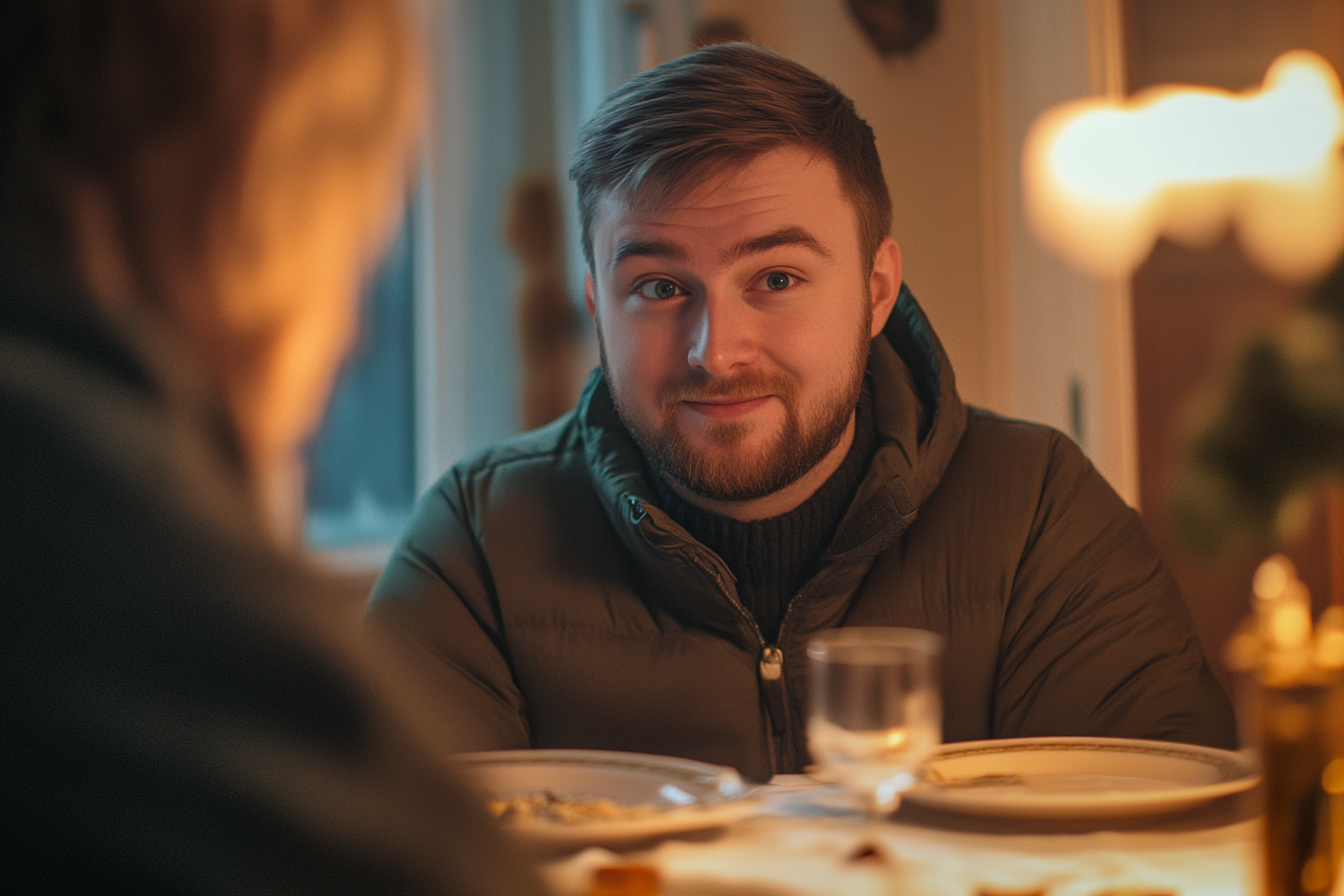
x=723 y=333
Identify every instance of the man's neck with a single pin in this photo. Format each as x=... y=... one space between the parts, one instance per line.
x=776 y=503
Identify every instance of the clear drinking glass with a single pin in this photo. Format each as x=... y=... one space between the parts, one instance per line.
x=876 y=709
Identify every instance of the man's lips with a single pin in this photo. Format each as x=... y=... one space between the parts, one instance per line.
x=726 y=408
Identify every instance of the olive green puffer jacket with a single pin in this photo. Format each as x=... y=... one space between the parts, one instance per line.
x=546 y=597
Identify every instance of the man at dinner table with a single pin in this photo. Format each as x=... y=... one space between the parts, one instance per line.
x=774 y=446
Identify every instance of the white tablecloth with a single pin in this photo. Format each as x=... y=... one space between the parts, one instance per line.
x=802 y=844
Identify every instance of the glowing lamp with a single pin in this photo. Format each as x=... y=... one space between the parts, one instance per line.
x=1104 y=178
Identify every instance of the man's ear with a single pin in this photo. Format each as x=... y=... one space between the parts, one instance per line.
x=588 y=301
x=884 y=284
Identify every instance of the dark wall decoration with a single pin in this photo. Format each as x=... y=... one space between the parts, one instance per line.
x=895 y=26
x=548 y=322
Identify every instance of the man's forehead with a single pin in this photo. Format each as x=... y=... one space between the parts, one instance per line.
x=660 y=191
x=652 y=196
x=631 y=223
x=748 y=245
x=620 y=210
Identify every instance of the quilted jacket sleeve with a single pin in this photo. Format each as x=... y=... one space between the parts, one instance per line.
x=437 y=599
x=1097 y=638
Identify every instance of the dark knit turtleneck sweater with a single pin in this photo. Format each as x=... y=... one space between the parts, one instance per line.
x=772 y=558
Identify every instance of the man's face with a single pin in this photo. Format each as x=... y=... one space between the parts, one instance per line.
x=735 y=322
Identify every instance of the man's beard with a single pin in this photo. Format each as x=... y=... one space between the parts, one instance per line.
x=798 y=446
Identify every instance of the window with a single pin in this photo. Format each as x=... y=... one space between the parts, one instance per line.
x=436 y=375
x=361 y=466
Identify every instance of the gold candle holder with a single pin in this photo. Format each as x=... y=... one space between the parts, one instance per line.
x=1297 y=719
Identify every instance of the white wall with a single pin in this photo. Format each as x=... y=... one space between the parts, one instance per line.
x=1067 y=336
x=1020 y=327
x=495 y=119
x=924 y=111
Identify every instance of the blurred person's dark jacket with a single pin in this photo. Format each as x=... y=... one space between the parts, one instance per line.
x=185 y=708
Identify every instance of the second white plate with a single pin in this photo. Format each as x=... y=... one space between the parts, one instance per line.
x=1078 y=777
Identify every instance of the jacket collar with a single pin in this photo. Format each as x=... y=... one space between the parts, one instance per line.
x=920 y=417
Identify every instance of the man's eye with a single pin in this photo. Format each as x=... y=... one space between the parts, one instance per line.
x=658 y=289
x=777 y=280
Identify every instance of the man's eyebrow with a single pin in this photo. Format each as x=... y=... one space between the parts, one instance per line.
x=646 y=248
x=786 y=236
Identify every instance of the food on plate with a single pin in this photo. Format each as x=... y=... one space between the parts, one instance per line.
x=551 y=808
x=991 y=780
x=624 y=880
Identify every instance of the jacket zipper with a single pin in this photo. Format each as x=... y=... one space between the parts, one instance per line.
x=776 y=691
x=772 y=682
x=770 y=667
x=769 y=671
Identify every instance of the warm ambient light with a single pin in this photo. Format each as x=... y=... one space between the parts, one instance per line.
x=1104 y=178
x=896 y=739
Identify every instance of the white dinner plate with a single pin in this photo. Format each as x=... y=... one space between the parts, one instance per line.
x=1078 y=777
x=674 y=795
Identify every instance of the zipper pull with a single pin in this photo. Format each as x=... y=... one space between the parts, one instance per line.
x=772 y=683
x=772 y=664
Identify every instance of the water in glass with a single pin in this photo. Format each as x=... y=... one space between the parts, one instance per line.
x=876 y=711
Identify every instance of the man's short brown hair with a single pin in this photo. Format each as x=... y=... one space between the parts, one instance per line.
x=716 y=110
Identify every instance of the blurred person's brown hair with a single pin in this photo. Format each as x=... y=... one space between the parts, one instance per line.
x=713 y=111
x=190 y=157
x=106 y=90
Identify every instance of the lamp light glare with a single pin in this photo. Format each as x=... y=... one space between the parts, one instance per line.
x=1103 y=179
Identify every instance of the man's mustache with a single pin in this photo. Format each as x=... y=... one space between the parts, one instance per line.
x=705 y=387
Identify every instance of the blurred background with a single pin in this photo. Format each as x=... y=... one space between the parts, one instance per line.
x=474 y=328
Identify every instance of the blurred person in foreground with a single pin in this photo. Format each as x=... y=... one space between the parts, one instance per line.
x=774 y=446
x=192 y=195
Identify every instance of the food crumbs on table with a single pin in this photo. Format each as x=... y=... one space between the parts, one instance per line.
x=624 y=880
x=869 y=852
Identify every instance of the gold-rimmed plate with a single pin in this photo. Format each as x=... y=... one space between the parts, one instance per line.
x=1078 y=777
